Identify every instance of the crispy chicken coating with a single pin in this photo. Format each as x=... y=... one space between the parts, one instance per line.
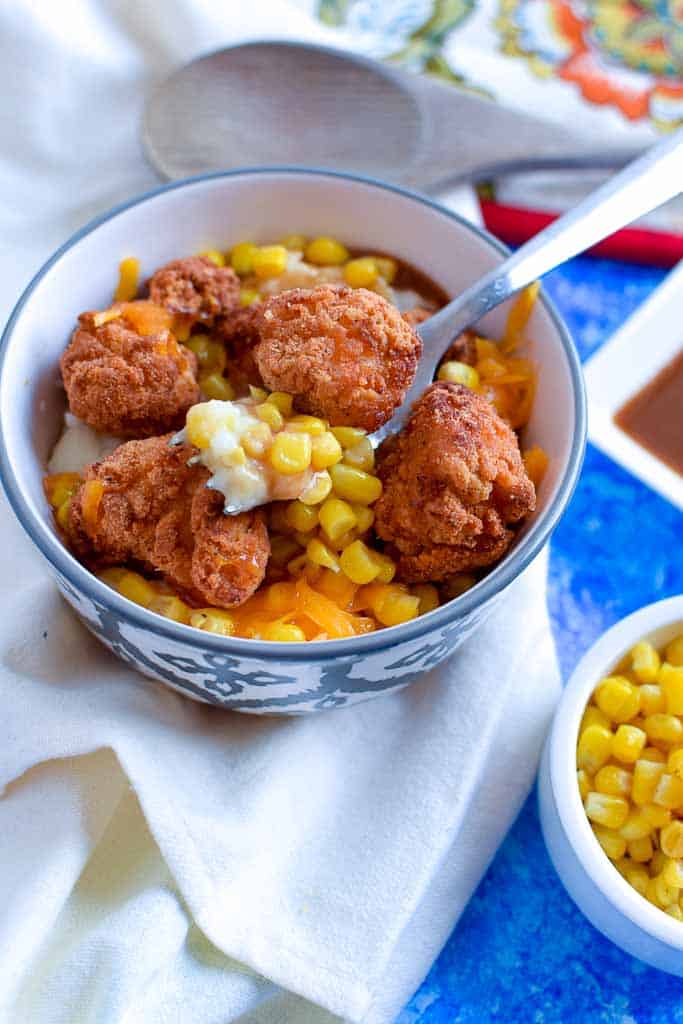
x=195 y=288
x=239 y=331
x=145 y=503
x=454 y=482
x=344 y=353
x=123 y=383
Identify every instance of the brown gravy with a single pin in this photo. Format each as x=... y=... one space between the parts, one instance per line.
x=654 y=416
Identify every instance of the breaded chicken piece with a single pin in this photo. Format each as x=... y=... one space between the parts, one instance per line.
x=144 y=503
x=239 y=331
x=344 y=353
x=454 y=482
x=195 y=288
x=123 y=383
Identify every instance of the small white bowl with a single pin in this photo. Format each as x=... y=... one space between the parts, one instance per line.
x=608 y=901
x=646 y=343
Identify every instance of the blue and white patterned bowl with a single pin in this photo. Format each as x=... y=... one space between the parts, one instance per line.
x=215 y=211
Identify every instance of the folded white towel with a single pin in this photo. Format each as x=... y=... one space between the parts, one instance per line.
x=162 y=861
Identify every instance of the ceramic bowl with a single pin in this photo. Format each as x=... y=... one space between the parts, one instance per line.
x=595 y=885
x=215 y=211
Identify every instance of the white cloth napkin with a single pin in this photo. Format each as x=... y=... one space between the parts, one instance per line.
x=162 y=861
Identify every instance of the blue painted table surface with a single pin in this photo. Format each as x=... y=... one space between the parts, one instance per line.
x=522 y=952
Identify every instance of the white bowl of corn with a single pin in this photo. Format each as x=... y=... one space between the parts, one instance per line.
x=611 y=785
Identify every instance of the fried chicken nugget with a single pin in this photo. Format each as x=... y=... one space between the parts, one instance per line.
x=145 y=503
x=239 y=332
x=454 y=482
x=195 y=288
x=344 y=353
x=127 y=384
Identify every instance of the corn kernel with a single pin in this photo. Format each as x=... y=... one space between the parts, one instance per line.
x=584 y=782
x=216 y=257
x=612 y=843
x=674 y=651
x=628 y=743
x=646 y=775
x=242 y=258
x=613 y=780
x=645 y=662
x=236 y=457
x=362 y=455
x=665 y=892
x=387 y=267
x=387 y=570
x=326 y=450
x=653 y=754
x=358 y=563
x=336 y=518
x=210 y=354
x=535 y=463
x=459 y=373
x=361 y=272
x=428 y=596
x=213 y=620
x=337 y=587
x=656 y=815
x=320 y=554
x=216 y=386
x=671 y=839
x=618 y=698
x=610 y=811
x=257 y=440
x=665 y=728
x=355 y=484
x=318 y=489
x=270 y=414
x=348 y=437
x=302 y=517
x=396 y=607
x=312 y=425
x=269 y=261
x=641 y=850
x=594 y=716
x=199 y=425
x=365 y=517
x=669 y=791
x=113 y=575
x=673 y=910
x=290 y=453
x=248 y=296
x=670 y=678
x=637 y=877
x=282 y=401
x=294 y=242
x=136 y=588
x=283 y=632
x=171 y=607
x=651 y=699
x=594 y=748
x=634 y=826
x=127 y=288
x=326 y=252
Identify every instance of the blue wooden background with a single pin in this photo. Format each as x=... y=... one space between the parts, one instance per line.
x=522 y=952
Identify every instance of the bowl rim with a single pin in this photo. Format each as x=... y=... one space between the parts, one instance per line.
x=599 y=659
x=500 y=577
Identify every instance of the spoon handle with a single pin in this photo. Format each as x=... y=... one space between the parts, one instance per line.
x=643 y=185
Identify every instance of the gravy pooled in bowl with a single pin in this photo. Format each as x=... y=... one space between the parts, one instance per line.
x=265 y=512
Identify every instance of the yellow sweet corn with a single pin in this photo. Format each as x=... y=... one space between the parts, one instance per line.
x=645 y=662
x=361 y=273
x=674 y=651
x=428 y=596
x=320 y=554
x=171 y=607
x=216 y=257
x=312 y=425
x=290 y=453
x=136 y=588
x=646 y=775
x=611 y=842
x=610 y=811
x=216 y=386
x=269 y=261
x=459 y=373
x=670 y=678
x=213 y=620
x=628 y=743
x=337 y=517
x=387 y=267
x=282 y=401
x=294 y=242
x=594 y=748
x=613 y=780
x=618 y=698
x=651 y=699
x=129 y=272
x=326 y=252
x=641 y=850
x=584 y=782
x=318 y=489
x=242 y=258
x=269 y=413
x=361 y=455
x=664 y=728
x=669 y=791
x=302 y=517
x=594 y=716
x=283 y=632
x=634 y=825
x=358 y=563
x=326 y=450
x=671 y=839
x=354 y=484
x=348 y=437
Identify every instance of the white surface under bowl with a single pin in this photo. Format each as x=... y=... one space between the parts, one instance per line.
x=595 y=885
x=217 y=211
x=635 y=354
